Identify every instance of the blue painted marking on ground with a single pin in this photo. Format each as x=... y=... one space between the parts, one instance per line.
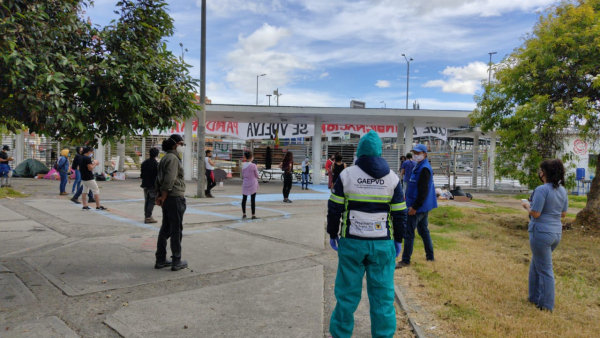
x=122 y=201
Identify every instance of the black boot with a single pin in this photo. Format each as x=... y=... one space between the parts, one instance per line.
x=179 y=265
x=163 y=264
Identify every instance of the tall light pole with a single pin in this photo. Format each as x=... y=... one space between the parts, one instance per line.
x=407 y=76
x=200 y=192
x=257 y=76
x=490 y=70
x=384 y=105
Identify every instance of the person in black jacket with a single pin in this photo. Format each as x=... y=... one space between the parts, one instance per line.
x=148 y=175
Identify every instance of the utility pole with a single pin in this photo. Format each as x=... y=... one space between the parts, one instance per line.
x=200 y=192
x=407 y=76
x=490 y=70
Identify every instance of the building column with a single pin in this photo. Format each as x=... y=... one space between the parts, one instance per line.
x=475 y=158
x=143 y=149
x=188 y=139
x=19 y=151
x=408 y=136
x=400 y=138
x=99 y=154
x=317 y=150
x=492 y=163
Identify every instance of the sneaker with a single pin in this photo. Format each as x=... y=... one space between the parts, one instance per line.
x=254 y=217
x=210 y=195
x=75 y=200
x=101 y=208
x=287 y=201
x=179 y=265
x=163 y=264
x=150 y=220
x=401 y=264
x=64 y=193
x=243 y=216
x=86 y=208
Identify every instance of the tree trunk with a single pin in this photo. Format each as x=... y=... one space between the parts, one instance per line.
x=590 y=215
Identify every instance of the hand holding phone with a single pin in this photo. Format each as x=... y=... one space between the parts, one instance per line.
x=525 y=201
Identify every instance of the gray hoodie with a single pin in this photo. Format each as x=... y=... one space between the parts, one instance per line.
x=170 y=175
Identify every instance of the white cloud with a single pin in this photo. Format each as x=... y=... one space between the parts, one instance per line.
x=229 y=7
x=416 y=71
x=254 y=56
x=324 y=75
x=383 y=84
x=461 y=80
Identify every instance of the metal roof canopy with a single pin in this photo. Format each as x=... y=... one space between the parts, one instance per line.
x=360 y=116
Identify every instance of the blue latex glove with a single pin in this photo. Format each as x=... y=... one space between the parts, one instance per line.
x=334 y=243
x=398 y=248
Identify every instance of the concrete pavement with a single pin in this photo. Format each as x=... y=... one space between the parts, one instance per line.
x=91 y=272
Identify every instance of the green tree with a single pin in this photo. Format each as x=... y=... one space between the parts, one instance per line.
x=547 y=87
x=66 y=78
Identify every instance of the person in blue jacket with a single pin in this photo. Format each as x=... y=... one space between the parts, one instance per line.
x=368 y=199
x=420 y=200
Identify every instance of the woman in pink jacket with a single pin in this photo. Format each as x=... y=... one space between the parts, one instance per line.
x=250 y=185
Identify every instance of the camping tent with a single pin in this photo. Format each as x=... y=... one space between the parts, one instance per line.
x=30 y=168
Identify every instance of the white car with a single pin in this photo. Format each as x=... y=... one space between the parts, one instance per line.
x=469 y=169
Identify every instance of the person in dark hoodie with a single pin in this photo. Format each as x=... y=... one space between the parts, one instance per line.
x=148 y=174
x=170 y=192
x=369 y=197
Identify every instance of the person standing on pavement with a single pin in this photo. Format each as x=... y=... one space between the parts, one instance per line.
x=250 y=184
x=87 y=177
x=328 y=165
x=210 y=175
x=64 y=168
x=549 y=203
x=75 y=169
x=306 y=166
x=287 y=165
x=5 y=167
x=420 y=200
x=337 y=168
x=149 y=172
x=406 y=170
x=170 y=190
x=369 y=200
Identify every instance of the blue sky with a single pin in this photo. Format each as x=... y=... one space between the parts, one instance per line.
x=328 y=52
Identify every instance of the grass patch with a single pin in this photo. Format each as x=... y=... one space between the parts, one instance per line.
x=577 y=202
x=9 y=192
x=477 y=287
x=483 y=201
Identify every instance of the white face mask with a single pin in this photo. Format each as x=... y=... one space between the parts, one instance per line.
x=180 y=149
x=419 y=158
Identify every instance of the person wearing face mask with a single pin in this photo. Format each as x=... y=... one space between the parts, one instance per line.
x=420 y=200
x=170 y=190
x=549 y=203
x=306 y=166
x=210 y=175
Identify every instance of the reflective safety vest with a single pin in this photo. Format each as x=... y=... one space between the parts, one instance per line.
x=367 y=204
x=412 y=189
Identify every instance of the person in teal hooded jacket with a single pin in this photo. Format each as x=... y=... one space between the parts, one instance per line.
x=368 y=199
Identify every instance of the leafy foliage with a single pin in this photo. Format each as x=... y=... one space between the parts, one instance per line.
x=549 y=85
x=65 y=78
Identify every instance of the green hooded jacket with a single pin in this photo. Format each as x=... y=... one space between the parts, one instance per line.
x=170 y=175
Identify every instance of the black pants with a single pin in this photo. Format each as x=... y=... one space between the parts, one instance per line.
x=172 y=226
x=149 y=199
x=210 y=183
x=287 y=184
x=252 y=203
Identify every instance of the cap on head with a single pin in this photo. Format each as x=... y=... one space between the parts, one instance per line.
x=369 y=145
x=6 y=147
x=421 y=148
x=177 y=138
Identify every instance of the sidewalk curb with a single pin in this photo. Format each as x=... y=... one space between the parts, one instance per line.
x=404 y=306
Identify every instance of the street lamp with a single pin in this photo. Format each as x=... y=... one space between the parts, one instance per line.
x=384 y=105
x=490 y=70
x=407 y=76
x=257 y=76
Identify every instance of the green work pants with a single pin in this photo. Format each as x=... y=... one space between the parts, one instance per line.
x=376 y=258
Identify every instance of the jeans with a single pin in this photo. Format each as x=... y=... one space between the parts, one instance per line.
x=210 y=183
x=149 y=201
x=541 y=276
x=420 y=222
x=252 y=203
x=80 y=191
x=173 y=209
x=287 y=184
x=64 y=178
x=305 y=179
x=77 y=182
